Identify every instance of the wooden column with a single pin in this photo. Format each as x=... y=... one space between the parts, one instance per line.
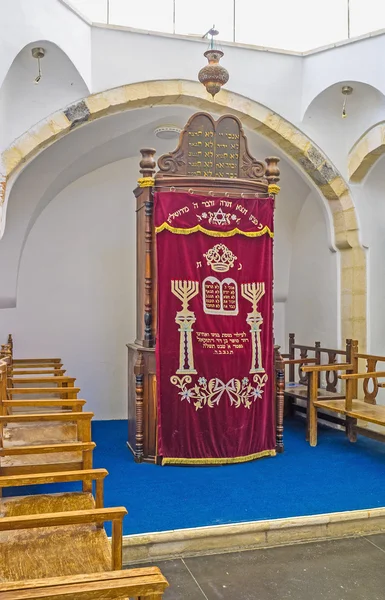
x=279 y=398
x=139 y=394
x=146 y=182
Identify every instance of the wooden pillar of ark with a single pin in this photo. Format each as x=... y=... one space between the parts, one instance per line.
x=142 y=405
x=272 y=175
x=279 y=368
x=145 y=324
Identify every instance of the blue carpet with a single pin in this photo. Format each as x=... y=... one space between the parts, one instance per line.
x=335 y=476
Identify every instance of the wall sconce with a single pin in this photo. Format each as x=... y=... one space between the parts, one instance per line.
x=38 y=53
x=347 y=91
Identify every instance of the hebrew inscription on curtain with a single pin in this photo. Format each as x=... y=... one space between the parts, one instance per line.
x=215 y=341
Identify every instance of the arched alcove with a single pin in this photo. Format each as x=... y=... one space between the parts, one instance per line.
x=323 y=120
x=23 y=103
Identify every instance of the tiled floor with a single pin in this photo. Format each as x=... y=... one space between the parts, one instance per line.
x=350 y=569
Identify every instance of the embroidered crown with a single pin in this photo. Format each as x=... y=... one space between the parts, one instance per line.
x=220 y=258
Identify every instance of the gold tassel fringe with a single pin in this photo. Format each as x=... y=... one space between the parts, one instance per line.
x=231 y=233
x=216 y=461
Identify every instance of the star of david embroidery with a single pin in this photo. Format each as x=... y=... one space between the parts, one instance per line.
x=220 y=217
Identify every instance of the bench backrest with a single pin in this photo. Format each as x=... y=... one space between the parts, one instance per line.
x=301 y=354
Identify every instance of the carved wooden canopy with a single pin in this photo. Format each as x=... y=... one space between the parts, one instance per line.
x=215 y=153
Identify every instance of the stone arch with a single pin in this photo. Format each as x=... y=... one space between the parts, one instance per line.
x=253 y=115
x=366 y=152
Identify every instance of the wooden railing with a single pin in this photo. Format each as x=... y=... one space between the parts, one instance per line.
x=356 y=404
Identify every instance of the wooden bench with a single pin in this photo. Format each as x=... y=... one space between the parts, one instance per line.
x=16 y=505
x=20 y=397
x=296 y=388
x=31 y=362
x=60 y=543
x=22 y=452
x=355 y=405
x=133 y=583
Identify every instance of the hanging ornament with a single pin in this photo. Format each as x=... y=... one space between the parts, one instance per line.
x=347 y=91
x=213 y=76
x=38 y=53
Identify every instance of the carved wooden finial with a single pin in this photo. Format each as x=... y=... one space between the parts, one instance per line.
x=272 y=174
x=147 y=167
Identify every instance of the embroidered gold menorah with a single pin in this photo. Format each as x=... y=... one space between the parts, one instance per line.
x=185 y=291
x=253 y=292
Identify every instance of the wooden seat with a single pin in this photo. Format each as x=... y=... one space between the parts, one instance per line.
x=336 y=405
x=41 y=457
x=133 y=583
x=21 y=371
x=59 y=502
x=36 y=361
x=48 y=379
x=59 y=544
x=301 y=392
x=372 y=413
x=62 y=392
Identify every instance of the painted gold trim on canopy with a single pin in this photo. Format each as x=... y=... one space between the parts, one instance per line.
x=212 y=233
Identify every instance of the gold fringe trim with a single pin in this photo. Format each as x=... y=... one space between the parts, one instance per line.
x=210 y=232
x=274 y=189
x=216 y=461
x=144 y=182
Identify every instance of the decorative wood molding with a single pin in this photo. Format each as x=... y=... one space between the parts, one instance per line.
x=217 y=152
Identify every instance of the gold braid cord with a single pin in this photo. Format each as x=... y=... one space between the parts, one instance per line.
x=144 y=182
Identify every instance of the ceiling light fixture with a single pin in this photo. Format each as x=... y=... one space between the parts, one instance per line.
x=347 y=91
x=38 y=53
x=213 y=76
x=167 y=132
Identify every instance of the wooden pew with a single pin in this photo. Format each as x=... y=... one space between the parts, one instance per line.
x=32 y=362
x=32 y=457
x=63 y=390
x=16 y=505
x=58 y=380
x=76 y=544
x=133 y=583
x=43 y=433
x=296 y=384
x=356 y=406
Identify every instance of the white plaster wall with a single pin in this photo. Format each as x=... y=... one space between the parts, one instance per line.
x=76 y=292
x=121 y=57
x=24 y=21
x=372 y=206
x=23 y=103
x=312 y=304
x=357 y=61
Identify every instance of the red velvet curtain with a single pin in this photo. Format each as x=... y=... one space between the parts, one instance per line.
x=214 y=338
